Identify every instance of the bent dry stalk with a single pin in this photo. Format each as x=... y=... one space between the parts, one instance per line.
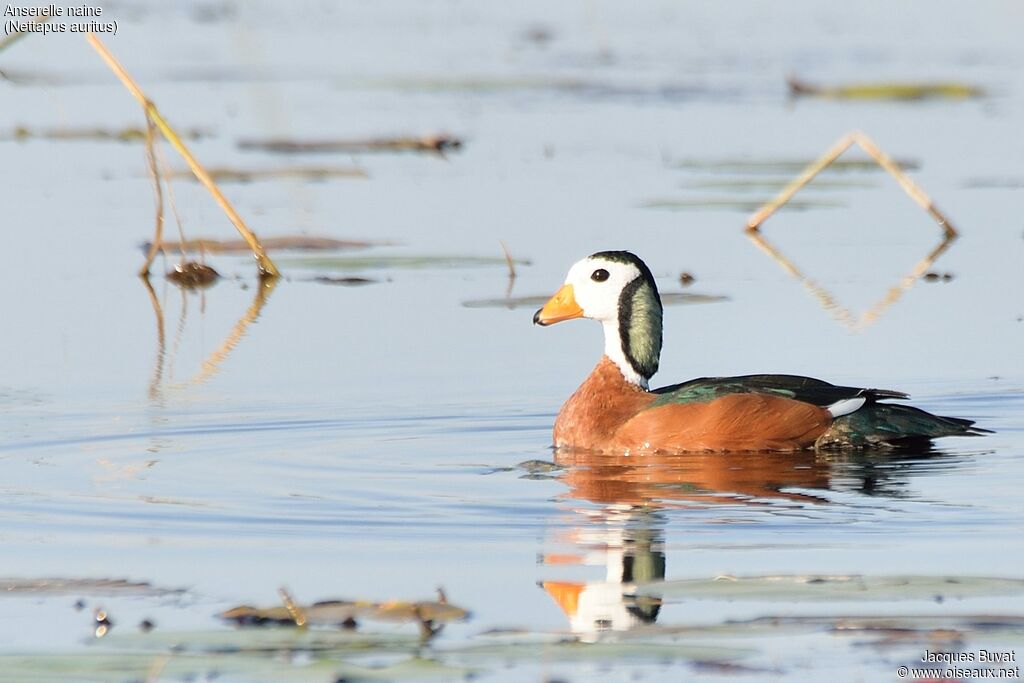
x=833 y=153
x=266 y=266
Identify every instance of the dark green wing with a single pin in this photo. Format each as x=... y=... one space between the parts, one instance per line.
x=806 y=389
x=874 y=424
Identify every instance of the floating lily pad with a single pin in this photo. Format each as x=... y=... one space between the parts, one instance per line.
x=401 y=262
x=572 y=650
x=785 y=166
x=128 y=134
x=279 y=243
x=73 y=586
x=539 y=466
x=263 y=640
x=736 y=204
x=833 y=588
x=223 y=174
x=775 y=184
x=512 y=303
x=887 y=91
x=89 y=667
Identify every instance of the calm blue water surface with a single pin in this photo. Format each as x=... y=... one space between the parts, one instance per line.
x=364 y=442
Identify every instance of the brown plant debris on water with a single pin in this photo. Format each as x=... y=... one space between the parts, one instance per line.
x=282 y=243
x=237 y=175
x=885 y=91
x=126 y=134
x=345 y=281
x=437 y=143
x=344 y=613
x=193 y=275
x=830 y=156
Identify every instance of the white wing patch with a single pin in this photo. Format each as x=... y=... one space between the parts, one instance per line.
x=846 y=406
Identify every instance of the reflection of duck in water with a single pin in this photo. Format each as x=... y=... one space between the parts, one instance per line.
x=612 y=411
x=630 y=544
x=667 y=479
x=625 y=533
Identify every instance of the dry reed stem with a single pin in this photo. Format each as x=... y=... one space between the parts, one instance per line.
x=170 y=199
x=805 y=177
x=508 y=260
x=266 y=266
x=157 y=668
x=161 y=339
x=828 y=302
x=833 y=153
x=908 y=185
x=18 y=35
x=297 y=615
x=212 y=364
x=154 y=171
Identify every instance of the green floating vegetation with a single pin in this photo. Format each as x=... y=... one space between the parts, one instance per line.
x=774 y=184
x=785 y=166
x=471 y=84
x=278 y=243
x=126 y=134
x=887 y=91
x=833 y=588
x=119 y=666
x=512 y=303
x=571 y=650
x=330 y=655
x=399 y=262
x=225 y=174
x=736 y=204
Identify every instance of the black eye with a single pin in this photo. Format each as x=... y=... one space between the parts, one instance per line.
x=599 y=275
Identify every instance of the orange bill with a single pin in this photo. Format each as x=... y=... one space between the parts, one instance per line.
x=562 y=306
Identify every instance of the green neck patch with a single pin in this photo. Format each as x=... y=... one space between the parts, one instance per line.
x=640 y=326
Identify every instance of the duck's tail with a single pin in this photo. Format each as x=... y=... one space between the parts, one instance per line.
x=892 y=425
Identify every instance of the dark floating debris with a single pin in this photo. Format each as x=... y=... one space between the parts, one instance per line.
x=885 y=91
x=127 y=134
x=539 y=34
x=224 y=174
x=344 y=281
x=147 y=625
x=932 y=276
x=686 y=279
x=193 y=275
x=282 y=243
x=438 y=144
